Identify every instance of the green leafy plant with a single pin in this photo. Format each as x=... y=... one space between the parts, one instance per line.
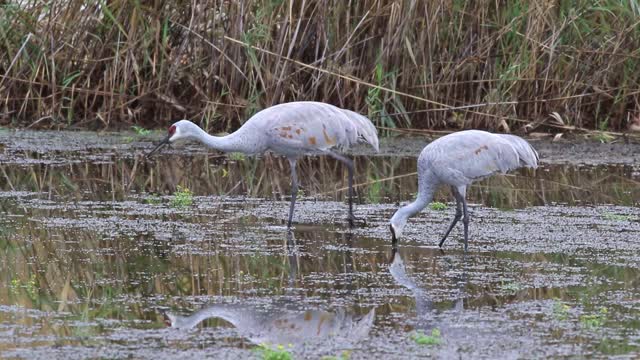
x=140 y=131
x=421 y=338
x=376 y=98
x=183 y=197
x=438 y=206
x=266 y=352
x=596 y=320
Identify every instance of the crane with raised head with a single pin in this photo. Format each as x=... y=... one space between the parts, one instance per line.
x=457 y=160
x=292 y=130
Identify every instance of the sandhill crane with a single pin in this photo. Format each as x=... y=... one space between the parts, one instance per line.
x=457 y=160
x=290 y=129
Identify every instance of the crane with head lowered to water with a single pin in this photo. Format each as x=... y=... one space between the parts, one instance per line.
x=457 y=160
x=290 y=129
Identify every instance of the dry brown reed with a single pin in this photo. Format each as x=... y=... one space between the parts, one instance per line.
x=443 y=64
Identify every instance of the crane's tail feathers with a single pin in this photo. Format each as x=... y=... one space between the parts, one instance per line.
x=364 y=127
x=527 y=154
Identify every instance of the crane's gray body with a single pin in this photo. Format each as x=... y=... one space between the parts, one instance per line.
x=457 y=160
x=460 y=158
x=312 y=127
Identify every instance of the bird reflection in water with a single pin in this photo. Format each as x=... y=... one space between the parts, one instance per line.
x=425 y=316
x=281 y=326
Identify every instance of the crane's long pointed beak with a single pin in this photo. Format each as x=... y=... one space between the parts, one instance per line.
x=162 y=143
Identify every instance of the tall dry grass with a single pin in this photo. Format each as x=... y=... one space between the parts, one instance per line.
x=423 y=64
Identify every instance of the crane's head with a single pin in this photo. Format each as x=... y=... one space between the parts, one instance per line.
x=169 y=319
x=396 y=225
x=183 y=129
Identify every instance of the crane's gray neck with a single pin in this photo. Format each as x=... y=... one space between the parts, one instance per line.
x=241 y=317
x=425 y=195
x=235 y=142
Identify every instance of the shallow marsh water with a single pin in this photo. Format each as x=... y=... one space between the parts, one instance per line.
x=95 y=251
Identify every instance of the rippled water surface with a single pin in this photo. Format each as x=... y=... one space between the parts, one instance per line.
x=107 y=254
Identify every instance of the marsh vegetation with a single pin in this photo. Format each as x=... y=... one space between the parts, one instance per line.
x=407 y=64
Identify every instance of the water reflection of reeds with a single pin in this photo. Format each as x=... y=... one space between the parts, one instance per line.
x=378 y=179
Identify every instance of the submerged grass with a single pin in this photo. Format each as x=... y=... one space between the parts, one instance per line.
x=496 y=65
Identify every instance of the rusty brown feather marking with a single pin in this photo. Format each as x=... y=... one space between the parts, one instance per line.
x=328 y=139
x=286 y=128
x=483 y=147
x=312 y=140
x=298 y=131
x=307 y=316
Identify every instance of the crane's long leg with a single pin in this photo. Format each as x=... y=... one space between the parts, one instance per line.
x=462 y=191
x=457 y=217
x=349 y=164
x=294 y=189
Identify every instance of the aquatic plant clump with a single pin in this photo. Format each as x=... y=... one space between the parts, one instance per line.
x=438 y=206
x=421 y=338
x=183 y=197
x=268 y=352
